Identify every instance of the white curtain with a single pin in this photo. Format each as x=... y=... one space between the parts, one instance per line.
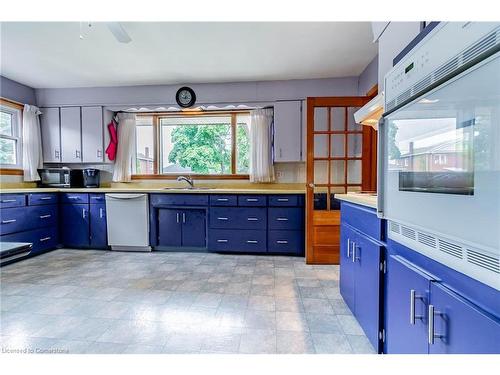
x=261 y=160
x=125 y=148
x=32 y=143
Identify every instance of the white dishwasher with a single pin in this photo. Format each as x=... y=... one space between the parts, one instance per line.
x=128 y=222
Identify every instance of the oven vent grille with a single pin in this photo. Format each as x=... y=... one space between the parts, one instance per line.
x=448 y=68
x=408 y=233
x=451 y=249
x=427 y=239
x=483 y=260
x=394 y=227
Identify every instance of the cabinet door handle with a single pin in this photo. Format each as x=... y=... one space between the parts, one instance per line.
x=74 y=197
x=222 y=241
x=46 y=198
x=56 y=154
x=353 y=252
x=84 y=213
x=282 y=199
x=45 y=216
x=413 y=297
x=431 y=334
x=282 y=242
x=101 y=213
x=45 y=239
x=177 y=217
x=9 y=221
x=348 y=248
x=252 y=241
x=77 y=154
x=99 y=153
x=222 y=199
x=222 y=218
x=252 y=219
x=8 y=200
x=183 y=217
x=282 y=219
x=252 y=199
x=281 y=152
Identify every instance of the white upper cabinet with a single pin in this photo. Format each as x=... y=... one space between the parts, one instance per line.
x=287 y=131
x=51 y=136
x=71 y=136
x=92 y=135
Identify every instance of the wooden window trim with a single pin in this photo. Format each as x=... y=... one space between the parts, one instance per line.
x=157 y=147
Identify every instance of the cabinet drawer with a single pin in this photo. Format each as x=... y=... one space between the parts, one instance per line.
x=237 y=241
x=252 y=200
x=364 y=219
x=25 y=218
x=74 y=198
x=179 y=199
x=42 y=239
x=238 y=218
x=39 y=198
x=286 y=218
x=285 y=241
x=12 y=200
x=286 y=200
x=96 y=198
x=223 y=200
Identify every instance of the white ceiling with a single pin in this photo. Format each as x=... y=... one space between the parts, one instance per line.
x=51 y=54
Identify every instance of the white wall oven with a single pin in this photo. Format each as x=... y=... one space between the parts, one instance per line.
x=439 y=149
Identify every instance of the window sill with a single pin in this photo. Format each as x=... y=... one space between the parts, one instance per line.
x=11 y=171
x=193 y=176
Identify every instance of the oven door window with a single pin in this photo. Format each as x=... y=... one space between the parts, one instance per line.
x=441 y=141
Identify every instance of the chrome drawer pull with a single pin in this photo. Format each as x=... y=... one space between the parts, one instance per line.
x=222 y=199
x=348 y=248
x=222 y=241
x=45 y=198
x=252 y=241
x=252 y=199
x=281 y=219
x=73 y=197
x=101 y=213
x=8 y=200
x=282 y=199
x=253 y=219
x=431 y=333
x=414 y=296
x=45 y=216
x=45 y=239
x=354 y=246
x=84 y=213
x=282 y=242
x=9 y=221
x=222 y=218
x=177 y=217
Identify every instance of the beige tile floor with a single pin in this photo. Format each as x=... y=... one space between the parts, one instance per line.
x=86 y=301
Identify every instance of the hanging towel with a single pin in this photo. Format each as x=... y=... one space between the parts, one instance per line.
x=113 y=141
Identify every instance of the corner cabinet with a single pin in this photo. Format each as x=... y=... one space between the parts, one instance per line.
x=288 y=131
x=361 y=269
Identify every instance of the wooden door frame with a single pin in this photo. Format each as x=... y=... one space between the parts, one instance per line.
x=312 y=103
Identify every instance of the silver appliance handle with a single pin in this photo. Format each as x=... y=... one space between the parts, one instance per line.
x=380 y=166
x=124 y=196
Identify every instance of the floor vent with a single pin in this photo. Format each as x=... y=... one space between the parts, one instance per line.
x=483 y=260
x=451 y=249
x=427 y=239
x=408 y=233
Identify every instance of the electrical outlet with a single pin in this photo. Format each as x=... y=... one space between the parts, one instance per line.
x=280 y=174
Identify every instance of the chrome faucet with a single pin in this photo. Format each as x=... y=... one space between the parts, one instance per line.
x=189 y=180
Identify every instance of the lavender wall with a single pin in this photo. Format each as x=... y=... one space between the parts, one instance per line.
x=18 y=92
x=369 y=77
x=242 y=92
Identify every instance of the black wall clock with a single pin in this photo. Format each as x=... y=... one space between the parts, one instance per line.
x=185 y=97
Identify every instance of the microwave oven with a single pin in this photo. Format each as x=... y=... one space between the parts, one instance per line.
x=439 y=149
x=60 y=178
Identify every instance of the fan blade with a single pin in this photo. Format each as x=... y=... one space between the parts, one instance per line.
x=119 y=32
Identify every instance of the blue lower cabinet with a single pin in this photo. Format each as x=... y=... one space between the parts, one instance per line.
x=238 y=218
x=12 y=200
x=286 y=218
x=347 y=276
x=98 y=230
x=251 y=241
x=41 y=198
x=194 y=228
x=27 y=218
x=456 y=326
x=406 y=302
x=42 y=239
x=286 y=242
x=75 y=225
x=169 y=227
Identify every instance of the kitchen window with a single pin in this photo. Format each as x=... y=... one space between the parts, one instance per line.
x=10 y=136
x=208 y=145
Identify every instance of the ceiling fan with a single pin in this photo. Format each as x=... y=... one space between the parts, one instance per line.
x=116 y=29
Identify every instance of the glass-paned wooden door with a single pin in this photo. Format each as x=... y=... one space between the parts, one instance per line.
x=334 y=166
